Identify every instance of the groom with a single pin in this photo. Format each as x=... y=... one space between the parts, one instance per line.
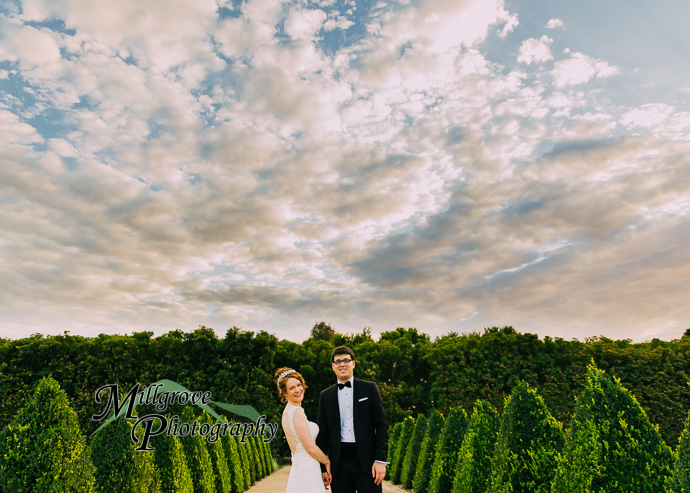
x=353 y=430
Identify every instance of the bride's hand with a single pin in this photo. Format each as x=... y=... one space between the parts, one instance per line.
x=327 y=475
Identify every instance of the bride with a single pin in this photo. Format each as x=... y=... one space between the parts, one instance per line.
x=305 y=473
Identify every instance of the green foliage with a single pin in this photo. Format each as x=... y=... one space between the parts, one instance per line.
x=258 y=457
x=171 y=465
x=221 y=470
x=251 y=461
x=234 y=464
x=146 y=478
x=446 y=455
x=679 y=481
x=393 y=438
x=43 y=448
x=413 y=373
x=427 y=453
x=410 y=463
x=611 y=445
x=529 y=441
x=474 y=459
x=266 y=455
x=182 y=479
x=198 y=458
x=245 y=464
x=406 y=430
x=119 y=467
x=322 y=332
x=112 y=454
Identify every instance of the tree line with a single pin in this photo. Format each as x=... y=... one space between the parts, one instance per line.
x=415 y=374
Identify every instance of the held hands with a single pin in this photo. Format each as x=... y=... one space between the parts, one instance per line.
x=327 y=475
x=378 y=471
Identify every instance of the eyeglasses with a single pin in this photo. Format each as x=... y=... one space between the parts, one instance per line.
x=345 y=361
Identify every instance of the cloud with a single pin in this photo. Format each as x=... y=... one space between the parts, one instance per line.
x=535 y=50
x=651 y=116
x=304 y=24
x=29 y=46
x=579 y=69
x=554 y=24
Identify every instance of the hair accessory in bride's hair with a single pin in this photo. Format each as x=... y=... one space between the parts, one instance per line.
x=282 y=375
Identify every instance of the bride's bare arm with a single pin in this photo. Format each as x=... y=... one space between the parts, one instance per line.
x=302 y=427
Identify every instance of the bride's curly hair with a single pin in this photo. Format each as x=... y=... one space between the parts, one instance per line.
x=282 y=384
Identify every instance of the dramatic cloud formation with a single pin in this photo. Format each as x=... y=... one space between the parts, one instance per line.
x=269 y=164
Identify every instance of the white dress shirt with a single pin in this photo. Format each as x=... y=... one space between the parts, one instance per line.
x=347 y=421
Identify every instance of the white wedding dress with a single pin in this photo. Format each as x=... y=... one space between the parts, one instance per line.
x=305 y=473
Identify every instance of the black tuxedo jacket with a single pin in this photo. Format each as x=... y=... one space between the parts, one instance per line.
x=371 y=425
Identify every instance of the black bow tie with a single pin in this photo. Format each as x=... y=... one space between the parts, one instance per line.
x=346 y=384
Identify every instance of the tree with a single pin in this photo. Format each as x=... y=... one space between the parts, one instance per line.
x=474 y=459
x=611 y=445
x=171 y=465
x=427 y=453
x=266 y=454
x=410 y=463
x=234 y=463
x=393 y=438
x=529 y=441
x=199 y=459
x=446 y=455
x=245 y=463
x=43 y=448
x=221 y=469
x=119 y=467
x=401 y=449
x=679 y=481
x=258 y=457
x=322 y=332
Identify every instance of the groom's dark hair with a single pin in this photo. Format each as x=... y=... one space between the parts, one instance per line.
x=342 y=350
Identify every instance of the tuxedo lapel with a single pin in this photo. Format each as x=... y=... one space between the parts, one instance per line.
x=335 y=410
x=356 y=396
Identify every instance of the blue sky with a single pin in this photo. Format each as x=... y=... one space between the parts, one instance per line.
x=268 y=164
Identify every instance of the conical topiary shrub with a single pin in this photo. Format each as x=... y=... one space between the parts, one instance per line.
x=427 y=453
x=268 y=456
x=258 y=457
x=528 y=444
x=611 y=445
x=679 y=481
x=221 y=471
x=410 y=463
x=234 y=463
x=244 y=463
x=171 y=464
x=401 y=449
x=250 y=463
x=119 y=467
x=446 y=456
x=198 y=458
x=43 y=448
x=393 y=438
x=474 y=459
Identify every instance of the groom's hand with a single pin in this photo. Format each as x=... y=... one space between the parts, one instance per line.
x=378 y=472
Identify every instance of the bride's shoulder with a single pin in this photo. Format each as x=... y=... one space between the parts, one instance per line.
x=292 y=410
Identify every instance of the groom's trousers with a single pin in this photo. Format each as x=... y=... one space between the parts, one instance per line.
x=350 y=476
